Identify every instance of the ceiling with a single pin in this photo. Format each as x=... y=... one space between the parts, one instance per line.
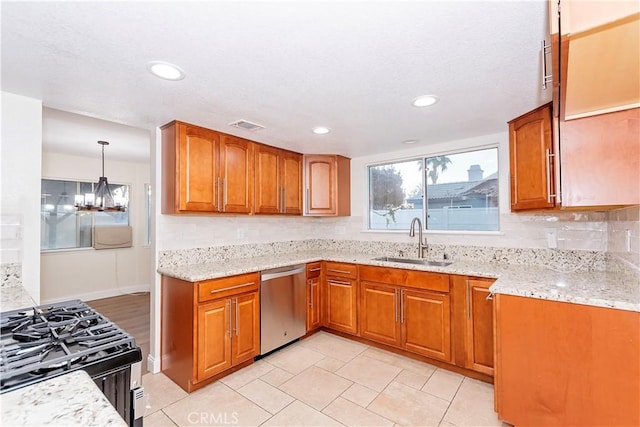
x=354 y=66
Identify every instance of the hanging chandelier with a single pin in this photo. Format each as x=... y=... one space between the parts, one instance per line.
x=101 y=199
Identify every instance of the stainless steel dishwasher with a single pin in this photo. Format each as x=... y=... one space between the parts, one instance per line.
x=282 y=306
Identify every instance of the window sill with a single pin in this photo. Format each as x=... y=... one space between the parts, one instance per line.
x=437 y=232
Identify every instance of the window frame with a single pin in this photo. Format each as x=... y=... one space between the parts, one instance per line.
x=92 y=213
x=422 y=157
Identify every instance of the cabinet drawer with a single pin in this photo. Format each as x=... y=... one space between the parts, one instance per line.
x=313 y=270
x=408 y=278
x=219 y=288
x=339 y=269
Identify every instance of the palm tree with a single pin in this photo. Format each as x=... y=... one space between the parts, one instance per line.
x=436 y=165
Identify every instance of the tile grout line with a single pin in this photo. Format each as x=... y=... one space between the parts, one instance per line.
x=449 y=405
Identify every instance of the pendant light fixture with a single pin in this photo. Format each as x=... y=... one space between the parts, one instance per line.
x=101 y=199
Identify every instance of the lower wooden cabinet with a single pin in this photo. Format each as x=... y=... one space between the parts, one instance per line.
x=417 y=320
x=565 y=364
x=208 y=327
x=314 y=297
x=341 y=297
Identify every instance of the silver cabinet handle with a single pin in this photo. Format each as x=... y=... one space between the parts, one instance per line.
x=548 y=168
x=546 y=78
x=311 y=292
x=401 y=306
x=490 y=296
x=339 y=271
x=314 y=269
x=283 y=206
x=230 y=318
x=218 y=190
x=308 y=202
x=237 y=318
x=231 y=287
x=395 y=305
x=338 y=282
x=224 y=194
x=468 y=300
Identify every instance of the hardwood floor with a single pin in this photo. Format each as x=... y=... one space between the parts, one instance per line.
x=131 y=313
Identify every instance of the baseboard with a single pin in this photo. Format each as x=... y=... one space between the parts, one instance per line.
x=107 y=293
x=153 y=365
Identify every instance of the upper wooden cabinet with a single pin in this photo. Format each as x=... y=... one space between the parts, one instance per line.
x=205 y=171
x=531 y=156
x=278 y=177
x=327 y=185
x=601 y=56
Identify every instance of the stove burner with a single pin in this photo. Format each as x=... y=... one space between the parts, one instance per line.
x=51 y=339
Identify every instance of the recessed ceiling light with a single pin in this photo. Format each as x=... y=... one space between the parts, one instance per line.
x=425 y=101
x=410 y=141
x=165 y=70
x=321 y=130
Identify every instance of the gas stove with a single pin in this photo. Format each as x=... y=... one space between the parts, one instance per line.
x=38 y=343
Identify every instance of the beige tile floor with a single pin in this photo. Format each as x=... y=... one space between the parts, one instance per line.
x=326 y=380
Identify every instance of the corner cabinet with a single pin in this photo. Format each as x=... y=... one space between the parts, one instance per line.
x=208 y=327
x=314 y=298
x=327 y=185
x=278 y=175
x=561 y=364
x=204 y=171
x=531 y=160
x=406 y=309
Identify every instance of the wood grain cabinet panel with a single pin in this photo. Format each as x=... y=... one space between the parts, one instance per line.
x=479 y=326
x=379 y=313
x=426 y=327
x=314 y=296
x=208 y=327
x=278 y=181
x=564 y=364
x=340 y=296
x=532 y=172
x=236 y=174
x=214 y=338
x=327 y=185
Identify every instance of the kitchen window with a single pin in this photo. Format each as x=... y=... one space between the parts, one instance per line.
x=61 y=227
x=456 y=191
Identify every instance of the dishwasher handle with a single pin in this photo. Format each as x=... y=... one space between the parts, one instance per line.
x=275 y=275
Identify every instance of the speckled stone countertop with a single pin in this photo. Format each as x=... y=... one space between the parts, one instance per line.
x=67 y=400
x=619 y=290
x=15 y=297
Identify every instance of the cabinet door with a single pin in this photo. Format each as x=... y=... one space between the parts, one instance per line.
x=530 y=150
x=291 y=179
x=479 y=326
x=197 y=169
x=268 y=187
x=246 y=327
x=214 y=338
x=341 y=305
x=379 y=313
x=425 y=319
x=236 y=174
x=313 y=304
x=321 y=185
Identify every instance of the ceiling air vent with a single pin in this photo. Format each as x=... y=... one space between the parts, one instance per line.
x=244 y=124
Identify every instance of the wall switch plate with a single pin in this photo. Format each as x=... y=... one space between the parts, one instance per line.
x=552 y=237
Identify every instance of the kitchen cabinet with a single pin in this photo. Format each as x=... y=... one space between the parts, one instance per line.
x=531 y=160
x=406 y=309
x=601 y=45
x=472 y=317
x=204 y=171
x=560 y=364
x=327 y=185
x=278 y=177
x=340 y=296
x=208 y=327
x=314 y=296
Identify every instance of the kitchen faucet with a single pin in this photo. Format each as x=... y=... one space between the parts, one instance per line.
x=412 y=232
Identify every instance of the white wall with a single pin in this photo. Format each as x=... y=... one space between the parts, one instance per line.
x=88 y=273
x=20 y=149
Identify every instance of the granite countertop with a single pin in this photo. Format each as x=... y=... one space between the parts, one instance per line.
x=619 y=290
x=15 y=297
x=68 y=400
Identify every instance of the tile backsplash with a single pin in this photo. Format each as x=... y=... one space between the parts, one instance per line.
x=10 y=238
x=624 y=235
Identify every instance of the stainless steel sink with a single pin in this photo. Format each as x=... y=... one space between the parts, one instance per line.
x=414 y=261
